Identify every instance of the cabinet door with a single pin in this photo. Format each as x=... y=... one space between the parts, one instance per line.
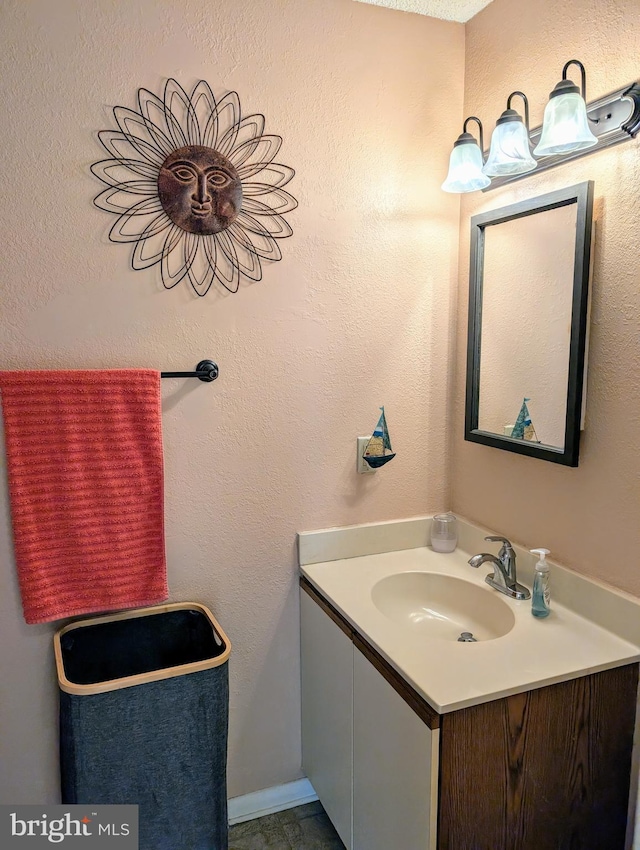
x=543 y=770
x=395 y=767
x=327 y=710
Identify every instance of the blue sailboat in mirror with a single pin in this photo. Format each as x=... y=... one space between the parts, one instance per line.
x=523 y=428
x=378 y=450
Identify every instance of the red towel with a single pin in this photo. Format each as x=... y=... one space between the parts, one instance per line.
x=86 y=476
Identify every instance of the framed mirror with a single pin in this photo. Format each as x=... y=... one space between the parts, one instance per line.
x=528 y=317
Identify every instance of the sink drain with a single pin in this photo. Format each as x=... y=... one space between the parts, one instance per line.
x=467 y=637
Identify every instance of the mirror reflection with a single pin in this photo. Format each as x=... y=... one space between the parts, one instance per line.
x=527 y=324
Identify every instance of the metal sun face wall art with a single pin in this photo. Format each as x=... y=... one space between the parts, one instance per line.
x=195 y=187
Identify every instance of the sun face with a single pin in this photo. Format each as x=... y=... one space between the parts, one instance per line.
x=195 y=187
x=200 y=190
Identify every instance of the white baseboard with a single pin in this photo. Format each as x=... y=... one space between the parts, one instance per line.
x=270 y=800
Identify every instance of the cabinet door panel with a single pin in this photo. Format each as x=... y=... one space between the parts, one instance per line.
x=395 y=759
x=327 y=710
x=544 y=770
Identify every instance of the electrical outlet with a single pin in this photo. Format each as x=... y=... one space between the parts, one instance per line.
x=362 y=465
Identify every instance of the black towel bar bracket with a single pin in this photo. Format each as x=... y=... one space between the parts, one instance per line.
x=206 y=370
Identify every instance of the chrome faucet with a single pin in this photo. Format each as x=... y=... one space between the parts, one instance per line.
x=504 y=569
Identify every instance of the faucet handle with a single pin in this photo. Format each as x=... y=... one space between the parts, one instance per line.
x=503 y=540
x=506 y=549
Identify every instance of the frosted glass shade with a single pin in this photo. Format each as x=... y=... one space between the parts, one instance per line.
x=510 y=152
x=465 y=169
x=565 y=127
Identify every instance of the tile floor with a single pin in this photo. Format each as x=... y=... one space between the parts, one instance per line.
x=303 y=828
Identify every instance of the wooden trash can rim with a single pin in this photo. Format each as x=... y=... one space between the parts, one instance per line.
x=141 y=678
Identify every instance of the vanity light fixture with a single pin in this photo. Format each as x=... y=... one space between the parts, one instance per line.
x=465 y=163
x=571 y=129
x=565 y=127
x=510 y=146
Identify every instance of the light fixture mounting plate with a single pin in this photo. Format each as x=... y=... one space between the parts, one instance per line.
x=613 y=118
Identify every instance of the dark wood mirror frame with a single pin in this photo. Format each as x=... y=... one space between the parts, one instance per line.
x=582 y=196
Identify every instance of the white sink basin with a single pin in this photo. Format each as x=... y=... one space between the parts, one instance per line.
x=442 y=606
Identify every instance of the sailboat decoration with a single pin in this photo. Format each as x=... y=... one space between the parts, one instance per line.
x=378 y=450
x=523 y=429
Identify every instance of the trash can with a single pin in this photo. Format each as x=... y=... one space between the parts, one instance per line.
x=144 y=706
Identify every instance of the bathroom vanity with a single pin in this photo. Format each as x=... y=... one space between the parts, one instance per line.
x=414 y=740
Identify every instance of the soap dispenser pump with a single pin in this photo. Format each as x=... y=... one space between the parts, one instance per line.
x=541 y=596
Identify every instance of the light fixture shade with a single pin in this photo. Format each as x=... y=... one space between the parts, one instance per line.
x=510 y=151
x=565 y=127
x=465 y=169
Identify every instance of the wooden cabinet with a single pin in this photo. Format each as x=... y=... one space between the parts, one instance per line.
x=548 y=769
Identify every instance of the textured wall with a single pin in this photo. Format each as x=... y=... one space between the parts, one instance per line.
x=356 y=315
x=587 y=516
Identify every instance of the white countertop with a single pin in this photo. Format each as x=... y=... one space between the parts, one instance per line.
x=452 y=675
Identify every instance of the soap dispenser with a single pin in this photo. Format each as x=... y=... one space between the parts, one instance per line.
x=541 y=596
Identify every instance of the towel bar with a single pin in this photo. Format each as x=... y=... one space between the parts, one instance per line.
x=206 y=370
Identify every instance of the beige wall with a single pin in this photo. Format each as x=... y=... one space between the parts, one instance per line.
x=587 y=516
x=356 y=315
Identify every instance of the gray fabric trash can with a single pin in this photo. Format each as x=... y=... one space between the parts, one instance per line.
x=144 y=698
